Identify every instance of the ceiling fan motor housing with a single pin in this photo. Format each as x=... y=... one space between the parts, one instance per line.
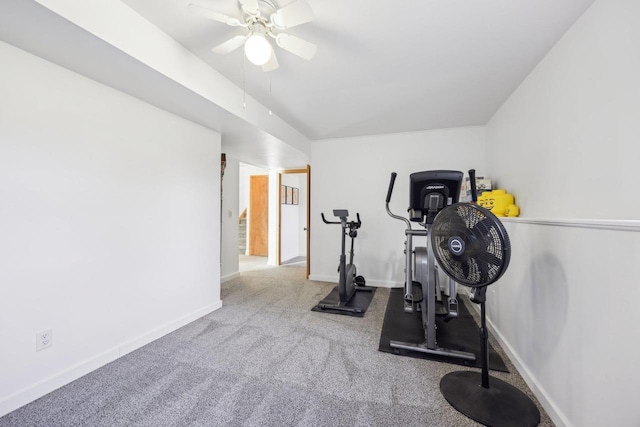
x=258 y=27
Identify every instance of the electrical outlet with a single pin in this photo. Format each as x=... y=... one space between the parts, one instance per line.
x=44 y=339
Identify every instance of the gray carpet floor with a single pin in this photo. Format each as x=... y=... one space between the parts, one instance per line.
x=263 y=359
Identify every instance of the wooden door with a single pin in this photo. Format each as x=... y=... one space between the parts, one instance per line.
x=259 y=215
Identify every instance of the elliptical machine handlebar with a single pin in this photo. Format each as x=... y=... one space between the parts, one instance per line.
x=391 y=184
x=472 y=181
x=389 y=192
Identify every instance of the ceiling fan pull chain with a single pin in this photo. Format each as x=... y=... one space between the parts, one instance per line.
x=270 y=97
x=244 y=92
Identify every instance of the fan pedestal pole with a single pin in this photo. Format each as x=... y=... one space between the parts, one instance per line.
x=500 y=404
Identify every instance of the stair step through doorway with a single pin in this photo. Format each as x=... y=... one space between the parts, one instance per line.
x=242 y=236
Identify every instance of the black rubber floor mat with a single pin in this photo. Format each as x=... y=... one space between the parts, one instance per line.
x=458 y=334
x=360 y=299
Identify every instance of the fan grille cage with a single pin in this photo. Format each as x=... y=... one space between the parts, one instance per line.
x=487 y=246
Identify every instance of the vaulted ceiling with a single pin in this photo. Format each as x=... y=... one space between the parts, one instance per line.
x=380 y=67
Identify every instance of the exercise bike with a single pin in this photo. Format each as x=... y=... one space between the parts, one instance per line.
x=430 y=192
x=349 y=283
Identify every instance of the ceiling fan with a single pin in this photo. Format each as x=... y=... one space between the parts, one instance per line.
x=263 y=20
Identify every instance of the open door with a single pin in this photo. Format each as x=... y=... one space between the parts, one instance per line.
x=307 y=225
x=259 y=215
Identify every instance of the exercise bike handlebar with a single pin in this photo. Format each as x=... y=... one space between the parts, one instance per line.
x=351 y=224
x=329 y=222
x=389 y=192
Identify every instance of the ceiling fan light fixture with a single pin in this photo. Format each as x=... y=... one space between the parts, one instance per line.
x=263 y=20
x=257 y=49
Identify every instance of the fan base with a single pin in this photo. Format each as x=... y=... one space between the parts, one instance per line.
x=499 y=405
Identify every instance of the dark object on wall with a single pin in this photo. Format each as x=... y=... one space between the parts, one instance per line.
x=223 y=166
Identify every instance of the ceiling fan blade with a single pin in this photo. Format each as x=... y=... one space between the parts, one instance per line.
x=250 y=6
x=297 y=46
x=230 y=45
x=296 y=13
x=212 y=14
x=272 y=64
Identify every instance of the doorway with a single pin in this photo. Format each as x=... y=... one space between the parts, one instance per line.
x=294 y=216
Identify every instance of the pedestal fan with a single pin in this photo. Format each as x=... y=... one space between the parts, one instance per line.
x=472 y=247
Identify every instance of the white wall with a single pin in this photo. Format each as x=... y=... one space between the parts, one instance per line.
x=230 y=204
x=353 y=174
x=566 y=311
x=110 y=224
x=566 y=144
x=243 y=188
x=274 y=201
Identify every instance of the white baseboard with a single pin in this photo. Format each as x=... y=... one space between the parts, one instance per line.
x=373 y=283
x=556 y=415
x=228 y=277
x=147 y=337
x=55 y=381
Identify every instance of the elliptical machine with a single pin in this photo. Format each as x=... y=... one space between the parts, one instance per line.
x=349 y=282
x=430 y=192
